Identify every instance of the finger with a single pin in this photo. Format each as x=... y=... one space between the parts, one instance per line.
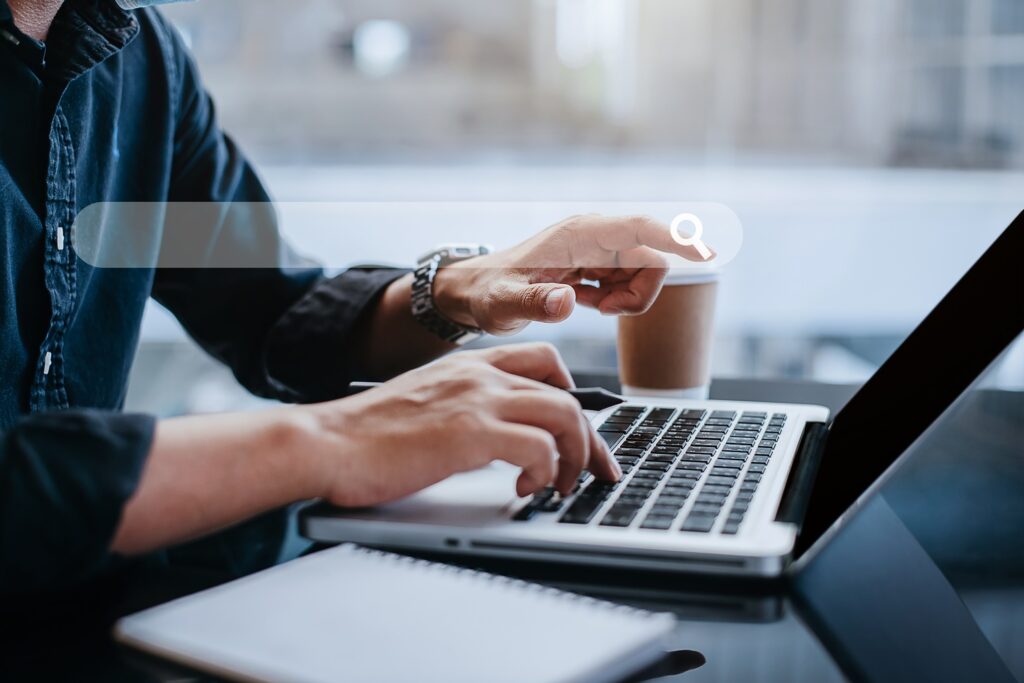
x=635 y=296
x=537 y=361
x=589 y=295
x=621 y=233
x=559 y=415
x=599 y=459
x=545 y=302
x=602 y=464
x=532 y=449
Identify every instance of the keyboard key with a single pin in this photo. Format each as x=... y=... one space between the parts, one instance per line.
x=619 y=519
x=694 y=466
x=701 y=524
x=676 y=501
x=649 y=466
x=581 y=511
x=633 y=498
x=756 y=468
x=716 y=488
x=760 y=459
x=748 y=486
x=661 y=522
x=711 y=497
x=730 y=455
x=651 y=476
x=611 y=438
x=731 y=528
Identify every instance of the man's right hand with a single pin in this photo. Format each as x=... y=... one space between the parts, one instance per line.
x=206 y=472
x=455 y=415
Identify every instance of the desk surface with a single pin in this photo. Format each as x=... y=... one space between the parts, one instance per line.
x=893 y=598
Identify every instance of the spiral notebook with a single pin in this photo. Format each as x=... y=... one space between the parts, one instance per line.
x=361 y=615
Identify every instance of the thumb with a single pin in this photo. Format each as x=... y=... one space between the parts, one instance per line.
x=544 y=303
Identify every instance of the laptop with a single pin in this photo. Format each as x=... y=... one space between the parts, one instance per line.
x=718 y=487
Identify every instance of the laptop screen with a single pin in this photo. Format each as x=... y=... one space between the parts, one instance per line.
x=964 y=333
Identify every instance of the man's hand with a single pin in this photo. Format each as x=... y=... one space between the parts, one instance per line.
x=457 y=415
x=210 y=471
x=543 y=278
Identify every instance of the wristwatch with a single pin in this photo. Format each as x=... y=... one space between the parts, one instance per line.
x=424 y=309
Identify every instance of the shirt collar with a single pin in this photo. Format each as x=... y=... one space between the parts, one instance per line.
x=84 y=33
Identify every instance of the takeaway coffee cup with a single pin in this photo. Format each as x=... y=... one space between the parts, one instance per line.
x=666 y=352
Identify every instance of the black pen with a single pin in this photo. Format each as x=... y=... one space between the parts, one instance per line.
x=591 y=398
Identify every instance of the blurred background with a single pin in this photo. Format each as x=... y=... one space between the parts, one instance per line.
x=872 y=148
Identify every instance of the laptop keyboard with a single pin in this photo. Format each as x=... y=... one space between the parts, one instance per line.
x=669 y=458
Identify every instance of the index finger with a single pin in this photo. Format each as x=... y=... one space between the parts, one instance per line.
x=536 y=361
x=621 y=233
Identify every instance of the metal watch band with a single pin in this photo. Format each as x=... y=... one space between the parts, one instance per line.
x=424 y=309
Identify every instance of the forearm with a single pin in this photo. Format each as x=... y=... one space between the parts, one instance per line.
x=391 y=340
x=205 y=473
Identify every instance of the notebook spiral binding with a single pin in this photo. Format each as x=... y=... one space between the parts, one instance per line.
x=518 y=584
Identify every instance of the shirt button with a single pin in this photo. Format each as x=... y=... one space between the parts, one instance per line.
x=60 y=238
x=47 y=360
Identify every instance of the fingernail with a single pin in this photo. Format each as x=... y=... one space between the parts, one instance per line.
x=555 y=301
x=617 y=467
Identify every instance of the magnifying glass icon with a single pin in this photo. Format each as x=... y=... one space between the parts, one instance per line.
x=695 y=239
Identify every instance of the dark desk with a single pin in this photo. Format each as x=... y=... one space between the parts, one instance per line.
x=895 y=597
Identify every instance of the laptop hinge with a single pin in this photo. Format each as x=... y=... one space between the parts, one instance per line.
x=797 y=493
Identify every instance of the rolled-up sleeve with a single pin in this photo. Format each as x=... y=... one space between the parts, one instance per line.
x=64 y=480
x=310 y=351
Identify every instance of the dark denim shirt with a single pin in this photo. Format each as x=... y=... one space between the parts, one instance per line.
x=111 y=109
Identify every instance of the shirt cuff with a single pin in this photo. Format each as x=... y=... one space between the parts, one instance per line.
x=310 y=354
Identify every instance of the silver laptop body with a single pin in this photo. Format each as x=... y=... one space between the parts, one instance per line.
x=703 y=483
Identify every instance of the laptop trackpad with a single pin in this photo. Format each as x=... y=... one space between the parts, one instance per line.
x=468 y=499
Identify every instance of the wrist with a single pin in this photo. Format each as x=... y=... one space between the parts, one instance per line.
x=298 y=434
x=453 y=288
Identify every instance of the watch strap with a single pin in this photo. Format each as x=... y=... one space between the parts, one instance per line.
x=424 y=309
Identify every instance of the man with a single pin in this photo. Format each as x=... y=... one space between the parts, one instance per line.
x=102 y=104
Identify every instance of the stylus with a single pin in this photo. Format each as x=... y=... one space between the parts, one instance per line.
x=591 y=398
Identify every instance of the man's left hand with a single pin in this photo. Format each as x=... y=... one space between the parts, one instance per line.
x=613 y=264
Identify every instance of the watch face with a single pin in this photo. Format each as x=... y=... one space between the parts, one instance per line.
x=462 y=251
